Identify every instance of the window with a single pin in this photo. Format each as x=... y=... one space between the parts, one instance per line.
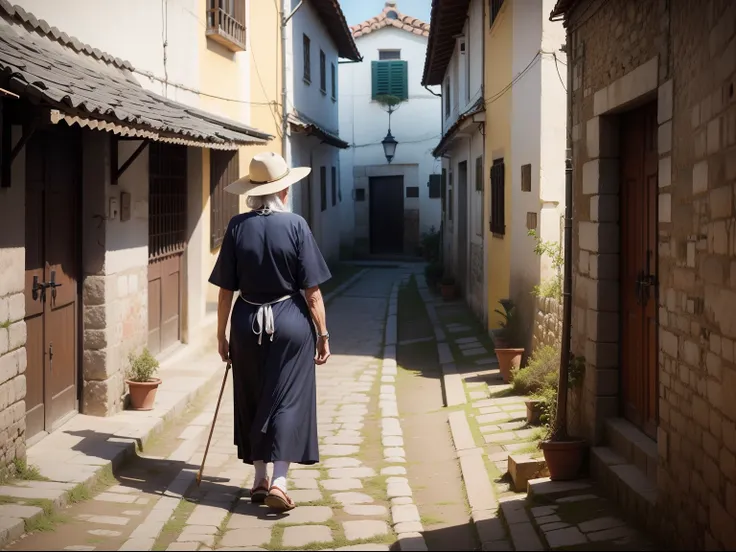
x=390 y=78
x=478 y=202
x=531 y=221
x=389 y=55
x=307 y=59
x=359 y=194
x=334 y=186
x=435 y=186
x=322 y=72
x=323 y=188
x=224 y=169
x=226 y=23
x=412 y=191
x=526 y=178
x=498 y=223
x=447 y=97
x=495 y=9
x=333 y=71
x=449 y=198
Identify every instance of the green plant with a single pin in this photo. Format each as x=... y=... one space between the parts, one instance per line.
x=388 y=100
x=431 y=245
x=511 y=331
x=540 y=373
x=433 y=273
x=142 y=366
x=552 y=287
x=576 y=371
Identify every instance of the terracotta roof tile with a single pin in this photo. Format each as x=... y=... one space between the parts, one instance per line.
x=390 y=16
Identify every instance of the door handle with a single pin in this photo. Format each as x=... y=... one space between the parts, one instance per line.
x=51 y=357
x=37 y=289
x=53 y=285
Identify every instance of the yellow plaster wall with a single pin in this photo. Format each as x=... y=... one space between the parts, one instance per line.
x=497 y=76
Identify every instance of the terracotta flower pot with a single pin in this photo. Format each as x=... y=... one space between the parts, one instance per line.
x=533 y=412
x=143 y=393
x=508 y=359
x=564 y=458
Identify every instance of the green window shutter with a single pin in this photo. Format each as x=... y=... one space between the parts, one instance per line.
x=398 y=79
x=381 y=77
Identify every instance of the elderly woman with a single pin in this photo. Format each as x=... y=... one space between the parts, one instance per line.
x=269 y=256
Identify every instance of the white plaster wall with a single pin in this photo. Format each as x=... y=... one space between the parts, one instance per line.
x=416 y=125
x=553 y=133
x=308 y=99
x=465 y=71
x=525 y=143
x=134 y=31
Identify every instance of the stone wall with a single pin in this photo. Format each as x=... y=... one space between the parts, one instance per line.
x=547 y=323
x=683 y=54
x=115 y=323
x=12 y=357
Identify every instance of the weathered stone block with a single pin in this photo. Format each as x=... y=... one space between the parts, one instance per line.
x=713 y=139
x=664 y=173
x=12 y=270
x=665 y=208
x=599 y=237
x=103 y=398
x=664 y=138
x=604 y=208
x=700 y=177
x=600 y=176
x=17 y=335
x=602 y=326
x=8 y=366
x=95 y=317
x=522 y=468
x=721 y=202
x=95 y=339
x=93 y=293
x=95 y=365
x=664 y=102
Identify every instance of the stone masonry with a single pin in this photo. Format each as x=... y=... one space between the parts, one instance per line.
x=683 y=54
x=547 y=323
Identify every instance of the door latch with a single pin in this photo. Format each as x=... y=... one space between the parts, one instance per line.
x=51 y=357
x=37 y=289
x=53 y=285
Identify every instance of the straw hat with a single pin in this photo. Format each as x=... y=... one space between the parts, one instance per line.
x=268 y=174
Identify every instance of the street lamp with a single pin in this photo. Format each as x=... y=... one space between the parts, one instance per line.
x=389 y=143
x=389 y=146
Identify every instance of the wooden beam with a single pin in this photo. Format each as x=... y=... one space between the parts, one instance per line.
x=117 y=173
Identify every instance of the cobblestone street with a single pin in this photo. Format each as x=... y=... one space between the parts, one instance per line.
x=358 y=497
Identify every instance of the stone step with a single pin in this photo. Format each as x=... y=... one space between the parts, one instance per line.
x=633 y=445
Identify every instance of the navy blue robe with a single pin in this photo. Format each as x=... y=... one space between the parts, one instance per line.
x=266 y=257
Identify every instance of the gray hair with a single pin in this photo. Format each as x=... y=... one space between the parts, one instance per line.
x=266 y=204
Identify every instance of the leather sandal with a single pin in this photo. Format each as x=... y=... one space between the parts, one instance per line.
x=278 y=500
x=259 y=493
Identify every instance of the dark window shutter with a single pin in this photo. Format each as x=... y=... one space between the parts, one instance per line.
x=224 y=169
x=398 y=71
x=443 y=191
x=498 y=201
x=435 y=186
x=479 y=174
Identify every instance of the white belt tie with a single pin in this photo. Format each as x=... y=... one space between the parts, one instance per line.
x=264 y=317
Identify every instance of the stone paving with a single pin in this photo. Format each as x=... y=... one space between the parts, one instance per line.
x=357 y=498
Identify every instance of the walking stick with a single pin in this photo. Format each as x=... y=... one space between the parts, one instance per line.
x=214 y=420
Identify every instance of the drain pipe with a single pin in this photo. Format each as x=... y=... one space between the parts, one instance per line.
x=560 y=431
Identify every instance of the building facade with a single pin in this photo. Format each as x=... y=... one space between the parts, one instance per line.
x=317 y=37
x=112 y=201
x=654 y=164
x=525 y=148
x=401 y=198
x=454 y=62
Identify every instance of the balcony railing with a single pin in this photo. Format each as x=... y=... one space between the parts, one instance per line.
x=226 y=23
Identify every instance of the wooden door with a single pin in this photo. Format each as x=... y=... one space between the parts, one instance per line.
x=638 y=282
x=167 y=238
x=386 y=207
x=462 y=225
x=53 y=180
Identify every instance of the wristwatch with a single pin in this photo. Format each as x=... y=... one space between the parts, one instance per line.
x=325 y=335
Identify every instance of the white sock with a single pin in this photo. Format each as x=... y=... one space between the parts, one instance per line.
x=280 y=469
x=261 y=472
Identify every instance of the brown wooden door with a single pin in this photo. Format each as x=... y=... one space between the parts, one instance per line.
x=638 y=285
x=53 y=161
x=386 y=207
x=167 y=238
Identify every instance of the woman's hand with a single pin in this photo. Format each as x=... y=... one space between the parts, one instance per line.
x=323 y=350
x=223 y=347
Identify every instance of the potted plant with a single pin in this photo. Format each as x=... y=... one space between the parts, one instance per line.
x=563 y=453
x=141 y=381
x=448 y=288
x=433 y=274
x=507 y=341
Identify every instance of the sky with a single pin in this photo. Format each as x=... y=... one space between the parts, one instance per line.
x=357 y=11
